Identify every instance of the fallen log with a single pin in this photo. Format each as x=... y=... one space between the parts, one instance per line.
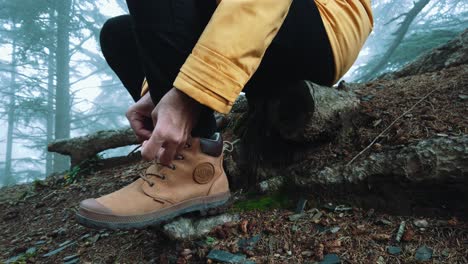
x=437 y=160
x=313 y=113
x=82 y=148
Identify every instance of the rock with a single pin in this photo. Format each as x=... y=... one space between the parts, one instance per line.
x=271 y=185
x=393 y=250
x=186 y=252
x=422 y=223
x=331 y=259
x=335 y=229
x=381 y=260
x=295 y=217
x=31 y=251
x=423 y=253
x=307 y=253
x=383 y=221
x=248 y=244
x=227 y=257
x=192 y=228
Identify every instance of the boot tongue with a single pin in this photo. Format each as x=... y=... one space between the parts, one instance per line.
x=212 y=146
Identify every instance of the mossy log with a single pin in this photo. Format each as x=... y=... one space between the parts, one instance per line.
x=82 y=148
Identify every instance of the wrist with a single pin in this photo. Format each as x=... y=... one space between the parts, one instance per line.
x=187 y=99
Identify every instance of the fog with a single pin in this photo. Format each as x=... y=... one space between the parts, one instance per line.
x=40 y=78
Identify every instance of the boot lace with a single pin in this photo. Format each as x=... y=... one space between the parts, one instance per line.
x=144 y=175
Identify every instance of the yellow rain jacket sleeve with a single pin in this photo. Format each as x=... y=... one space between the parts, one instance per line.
x=233 y=44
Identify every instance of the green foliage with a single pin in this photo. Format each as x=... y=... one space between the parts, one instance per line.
x=210 y=241
x=74 y=175
x=264 y=203
x=38 y=184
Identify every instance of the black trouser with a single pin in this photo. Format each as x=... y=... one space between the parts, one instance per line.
x=158 y=35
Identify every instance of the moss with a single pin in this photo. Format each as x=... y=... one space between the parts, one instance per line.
x=263 y=203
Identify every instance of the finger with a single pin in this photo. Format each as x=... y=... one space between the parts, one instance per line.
x=152 y=147
x=167 y=156
x=139 y=127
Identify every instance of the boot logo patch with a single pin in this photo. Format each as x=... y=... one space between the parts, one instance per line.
x=203 y=173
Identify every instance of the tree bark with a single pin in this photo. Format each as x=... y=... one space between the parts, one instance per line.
x=442 y=159
x=82 y=148
x=50 y=100
x=62 y=100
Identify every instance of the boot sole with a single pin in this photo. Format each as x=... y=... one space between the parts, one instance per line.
x=205 y=205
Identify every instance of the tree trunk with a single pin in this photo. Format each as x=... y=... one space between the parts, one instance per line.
x=399 y=35
x=8 y=180
x=62 y=100
x=50 y=108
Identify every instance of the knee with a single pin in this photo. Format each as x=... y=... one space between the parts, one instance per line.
x=113 y=29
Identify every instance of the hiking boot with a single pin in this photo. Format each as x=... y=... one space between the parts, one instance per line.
x=196 y=181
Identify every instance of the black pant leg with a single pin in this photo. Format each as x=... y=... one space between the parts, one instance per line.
x=166 y=32
x=120 y=50
x=300 y=51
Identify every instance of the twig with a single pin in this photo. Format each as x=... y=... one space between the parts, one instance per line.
x=390 y=126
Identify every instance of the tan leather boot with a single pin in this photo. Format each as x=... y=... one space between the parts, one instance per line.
x=196 y=181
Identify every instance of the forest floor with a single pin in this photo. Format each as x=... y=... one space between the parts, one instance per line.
x=38 y=218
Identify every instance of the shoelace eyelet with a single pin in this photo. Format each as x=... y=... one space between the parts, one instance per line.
x=173 y=167
x=180 y=157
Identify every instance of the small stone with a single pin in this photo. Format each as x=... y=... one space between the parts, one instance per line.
x=424 y=253
x=422 y=223
x=295 y=217
x=463 y=97
x=31 y=251
x=249 y=243
x=277 y=255
x=381 y=260
x=331 y=259
x=393 y=250
x=186 y=252
x=335 y=229
x=226 y=257
x=192 y=228
x=307 y=253
x=383 y=221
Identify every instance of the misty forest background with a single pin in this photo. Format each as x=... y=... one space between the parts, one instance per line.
x=55 y=83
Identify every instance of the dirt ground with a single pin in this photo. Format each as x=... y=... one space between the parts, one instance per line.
x=40 y=215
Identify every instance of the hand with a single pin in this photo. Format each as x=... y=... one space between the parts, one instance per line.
x=139 y=116
x=174 y=118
